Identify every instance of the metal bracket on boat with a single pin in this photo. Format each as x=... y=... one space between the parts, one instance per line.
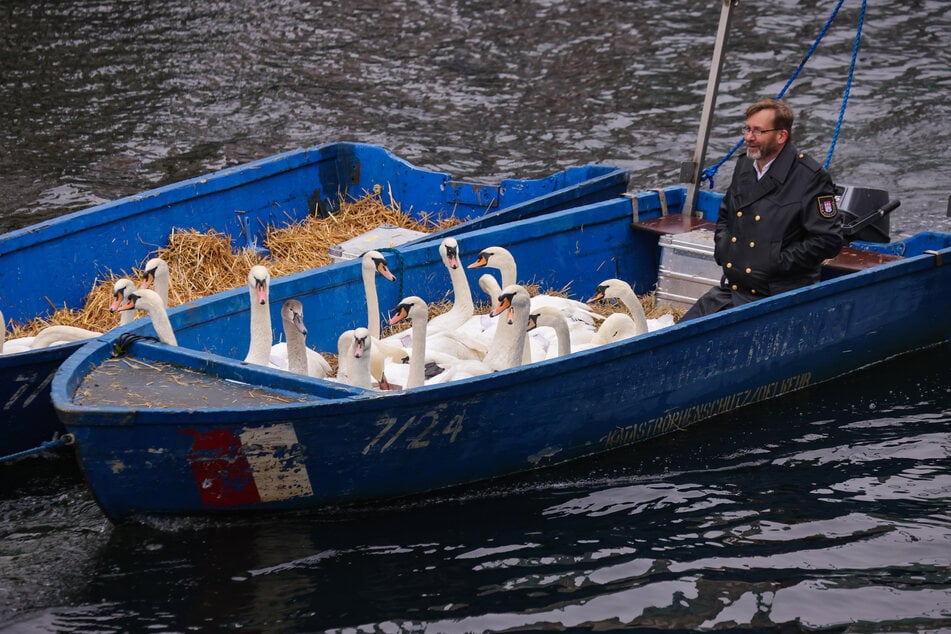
x=936 y=254
x=663 y=201
x=635 y=207
x=635 y=216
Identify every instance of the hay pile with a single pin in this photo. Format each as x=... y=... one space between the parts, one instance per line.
x=201 y=264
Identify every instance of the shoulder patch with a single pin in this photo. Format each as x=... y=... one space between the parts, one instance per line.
x=827 y=207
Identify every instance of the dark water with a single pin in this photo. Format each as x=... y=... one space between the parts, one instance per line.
x=827 y=511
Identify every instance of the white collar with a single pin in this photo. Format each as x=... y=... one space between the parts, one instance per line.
x=759 y=173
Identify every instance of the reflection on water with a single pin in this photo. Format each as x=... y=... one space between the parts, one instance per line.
x=822 y=511
x=103 y=99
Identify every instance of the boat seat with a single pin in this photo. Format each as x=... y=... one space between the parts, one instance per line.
x=850 y=260
x=673 y=224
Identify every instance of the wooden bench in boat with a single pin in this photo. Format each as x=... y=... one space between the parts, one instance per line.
x=851 y=260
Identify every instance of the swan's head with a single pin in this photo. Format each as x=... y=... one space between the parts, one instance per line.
x=259 y=280
x=449 y=251
x=544 y=316
x=610 y=289
x=374 y=261
x=154 y=268
x=410 y=308
x=493 y=257
x=361 y=342
x=293 y=312
x=143 y=299
x=120 y=293
x=513 y=299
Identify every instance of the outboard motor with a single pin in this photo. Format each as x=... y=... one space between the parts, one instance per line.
x=865 y=213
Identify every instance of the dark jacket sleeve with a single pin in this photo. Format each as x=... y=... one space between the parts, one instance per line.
x=819 y=234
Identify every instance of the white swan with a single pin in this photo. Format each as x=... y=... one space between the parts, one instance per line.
x=414 y=374
x=120 y=291
x=373 y=262
x=259 y=350
x=490 y=286
x=56 y=335
x=293 y=354
x=60 y=334
x=157 y=278
x=504 y=352
x=619 y=289
x=551 y=317
x=615 y=327
x=358 y=354
x=510 y=333
x=262 y=350
x=463 y=307
x=12 y=346
x=343 y=363
x=502 y=259
x=147 y=300
x=381 y=356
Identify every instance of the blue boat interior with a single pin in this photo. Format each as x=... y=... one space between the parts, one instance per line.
x=244 y=201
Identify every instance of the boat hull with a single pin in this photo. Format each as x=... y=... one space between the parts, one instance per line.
x=343 y=446
x=65 y=257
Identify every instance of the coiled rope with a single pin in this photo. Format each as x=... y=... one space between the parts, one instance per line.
x=711 y=171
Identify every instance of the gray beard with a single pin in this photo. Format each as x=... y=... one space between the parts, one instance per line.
x=754 y=154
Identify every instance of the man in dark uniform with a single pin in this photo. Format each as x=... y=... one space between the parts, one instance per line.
x=778 y=220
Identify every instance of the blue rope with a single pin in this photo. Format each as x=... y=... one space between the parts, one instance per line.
x=64 y=440
x=711 y=171
x=848 y=86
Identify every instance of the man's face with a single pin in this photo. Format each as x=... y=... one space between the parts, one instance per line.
x=763 y=142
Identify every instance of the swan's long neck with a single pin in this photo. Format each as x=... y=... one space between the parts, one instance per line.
x=161 y=287
x=343 y=356
x=491 y=288
x=504 y=261
x=462 y=296
x=373 y=302
x=296 y=348
x=163 y=327
x=261 y=339
x=508 y=344
x=561 y=332
x=360 y=366
x=634 y=307
x=417 y=360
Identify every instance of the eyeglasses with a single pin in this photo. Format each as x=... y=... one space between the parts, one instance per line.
x=757 y=132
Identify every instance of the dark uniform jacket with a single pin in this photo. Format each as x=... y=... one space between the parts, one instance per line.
x=772 y=235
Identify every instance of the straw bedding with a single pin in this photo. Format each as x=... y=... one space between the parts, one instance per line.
x=204 y=263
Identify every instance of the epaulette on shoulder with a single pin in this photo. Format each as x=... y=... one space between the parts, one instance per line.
x=809 y=162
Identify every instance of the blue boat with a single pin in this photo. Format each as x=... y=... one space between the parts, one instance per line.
x=59 y=261
x=205 y=433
